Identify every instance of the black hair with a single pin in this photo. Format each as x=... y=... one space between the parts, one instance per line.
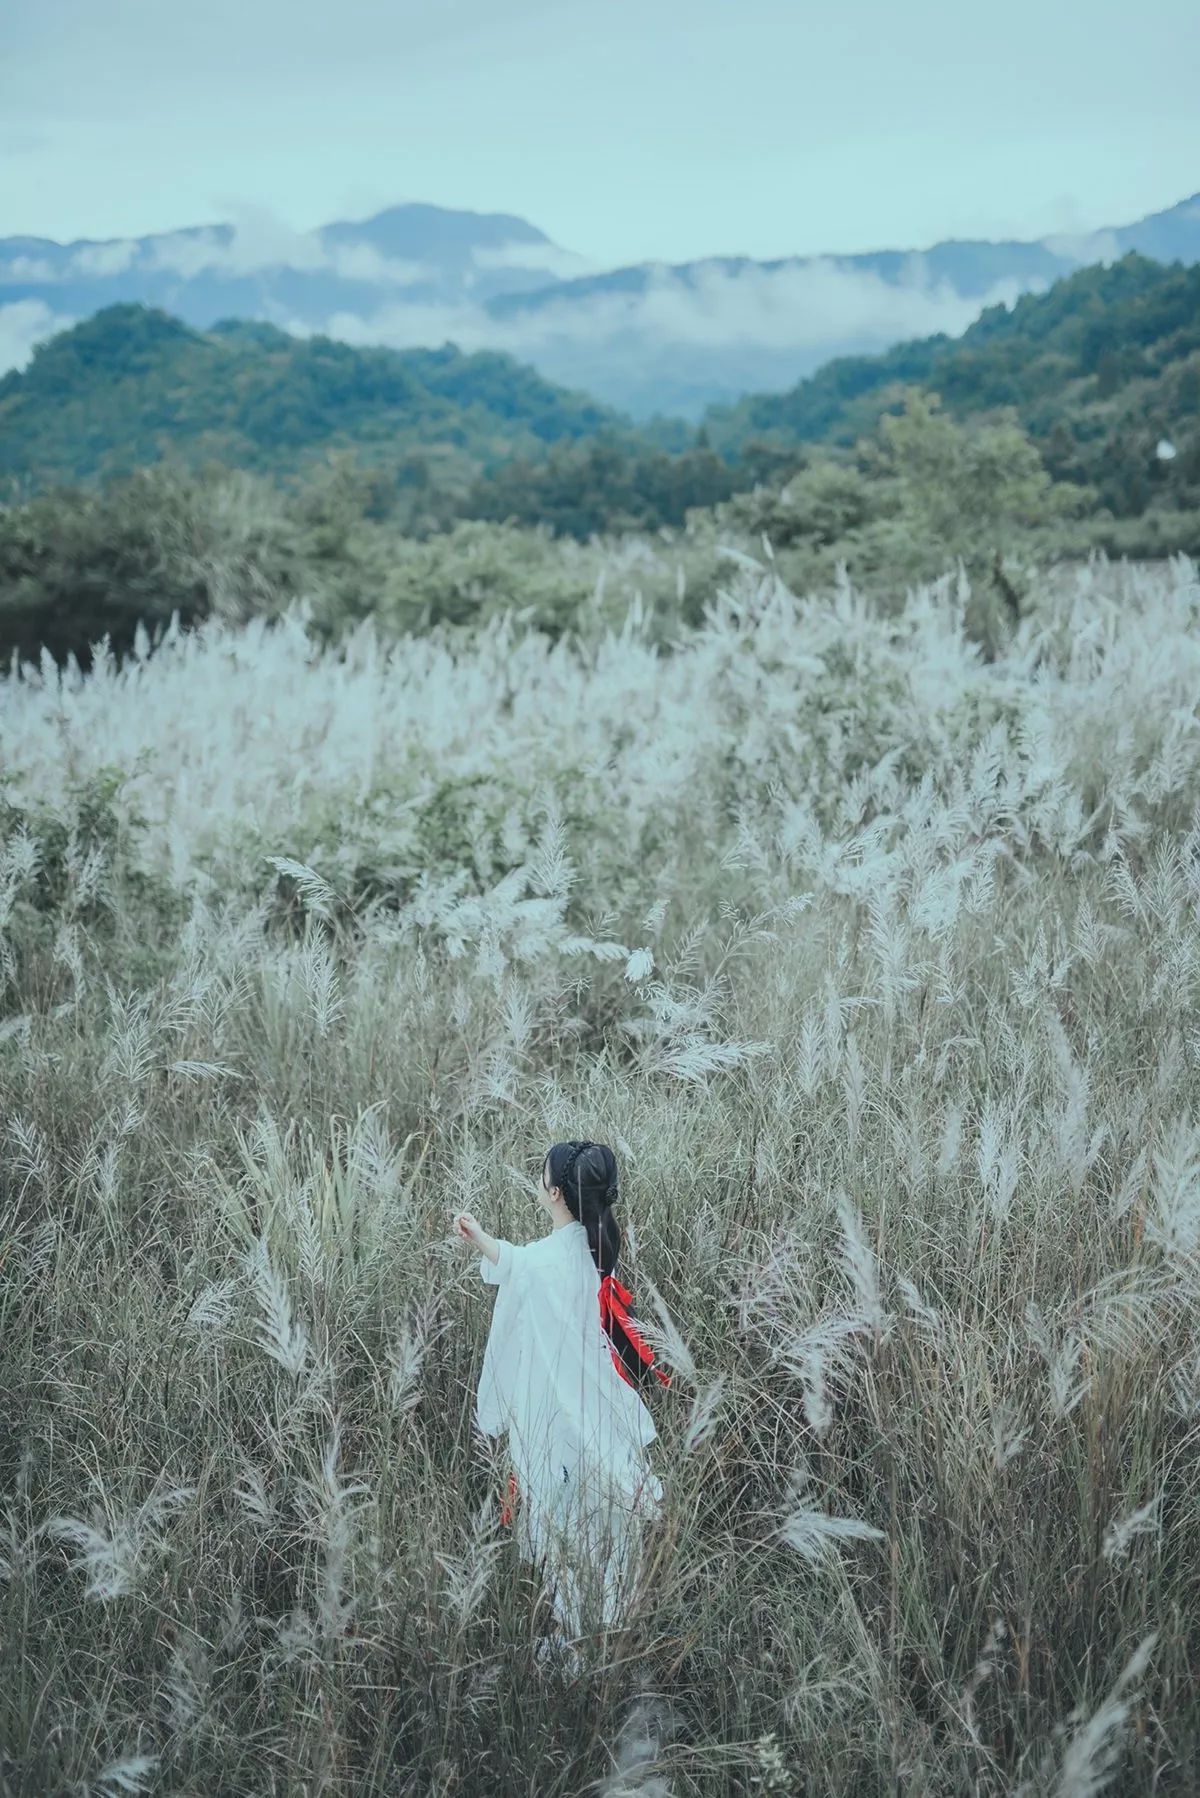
x=586 y=1175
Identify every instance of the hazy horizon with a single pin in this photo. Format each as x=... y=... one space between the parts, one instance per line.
x=622 y=136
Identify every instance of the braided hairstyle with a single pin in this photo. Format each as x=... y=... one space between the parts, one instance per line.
x=586 y=1175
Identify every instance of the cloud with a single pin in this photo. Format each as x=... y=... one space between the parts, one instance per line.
x=24 y=323
x=21 y=269
x=1084 y=247
x=565 y=264
x=88 y=259
x=801 y=306
x=111 y=258
x=363 y=262
x=258 y=239
x=748 y=326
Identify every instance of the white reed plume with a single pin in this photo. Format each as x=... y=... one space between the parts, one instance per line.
x=935 y=904
x=998 y=1155
x=187 y=1686
x=468 y=1575
x=297 y=1642
x=517 y=1015
x=984 y=1664
x=819 y=1356
x=1147 y=1521
x=319 y=977
x=33 y=1154
x=951 y=1139
x=664 y=1338
x=319 y=897
x=861 y=1268
x=130 y=1042
x=88 y=871
x=854 y=1088
x=1076 y=1153
x=652 y=922
x=1062 y=1359
x=296 y=1204
x=116 y=1558
x=809 y=1061
x=1092 y=1759
x=639 y=965
x=702 y=1419
x=1129 y=1310
x=283 y=1338
x=1132 y=1184
x=252 y=1495
x=838 y=1006
x=1174 y=1220
x=204 y=1070
x=131 y=1773
x=406 y=1358
x=813 y=1533
x=890 y=942
x=212 y=1308
x=926 y=1315
x=910 y=1129
x=693 y=1058
x=325 y=1501
x=1092 y=937
x=552 y=873
x=20 y=859
x=1008 y=1438
x=1042 y=973
x=68 y=952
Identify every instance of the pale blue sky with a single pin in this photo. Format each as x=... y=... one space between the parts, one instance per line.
x=626 y=130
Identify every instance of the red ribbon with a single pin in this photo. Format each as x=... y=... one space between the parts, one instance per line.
x=615 y=1300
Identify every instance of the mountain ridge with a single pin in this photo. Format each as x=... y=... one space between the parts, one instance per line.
x=643 y=338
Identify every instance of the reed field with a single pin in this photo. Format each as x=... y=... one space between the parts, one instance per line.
x=876 y=960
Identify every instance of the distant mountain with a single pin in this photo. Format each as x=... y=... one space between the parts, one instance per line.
x=652 y=338
x=132 y=384
x=680 y=338
x=424 y=254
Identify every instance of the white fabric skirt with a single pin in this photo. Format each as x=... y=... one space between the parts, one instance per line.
x=583 y=1520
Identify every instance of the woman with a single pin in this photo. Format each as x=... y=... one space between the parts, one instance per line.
x=561 y=1373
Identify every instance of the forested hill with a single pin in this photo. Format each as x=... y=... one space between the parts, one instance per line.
x=1099 y=368
x=130 y=384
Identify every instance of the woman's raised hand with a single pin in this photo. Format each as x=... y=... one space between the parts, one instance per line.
x=468 y=1230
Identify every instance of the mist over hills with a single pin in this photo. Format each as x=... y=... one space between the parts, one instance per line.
x=1101 y=371
x=652 y=338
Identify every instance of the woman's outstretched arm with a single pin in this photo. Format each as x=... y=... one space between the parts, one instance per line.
x=469 y=1229
x=491 y=1247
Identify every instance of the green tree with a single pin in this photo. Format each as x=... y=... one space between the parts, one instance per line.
x=970 y=489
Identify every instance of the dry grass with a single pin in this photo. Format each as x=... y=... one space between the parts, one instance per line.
x=877 y=965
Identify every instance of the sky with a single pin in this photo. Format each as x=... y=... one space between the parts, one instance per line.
x=627 y=131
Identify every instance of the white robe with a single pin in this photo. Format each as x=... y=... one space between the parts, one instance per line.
x=577 y=1431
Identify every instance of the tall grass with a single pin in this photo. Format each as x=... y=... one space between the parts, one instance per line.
x=876 y=963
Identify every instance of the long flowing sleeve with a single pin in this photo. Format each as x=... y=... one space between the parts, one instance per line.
x=501 y=1270
x=506 y=1353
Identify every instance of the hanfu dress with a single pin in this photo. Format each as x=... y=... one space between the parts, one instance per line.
x=577 y=1429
